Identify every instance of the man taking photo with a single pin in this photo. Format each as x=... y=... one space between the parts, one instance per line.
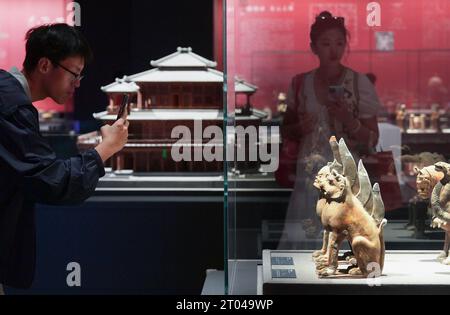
x=29 y=170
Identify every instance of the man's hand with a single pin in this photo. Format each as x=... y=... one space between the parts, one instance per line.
x=114 y=138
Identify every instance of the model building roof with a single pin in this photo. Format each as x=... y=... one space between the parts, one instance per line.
x=242 y=86
x=158 y=75
x=181 y=66
x=184 y=57
x=124 y=85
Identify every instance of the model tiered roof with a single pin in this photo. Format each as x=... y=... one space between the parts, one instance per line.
x=184 y=57
x=242 y=86
x=181 y=66
x=124 y=85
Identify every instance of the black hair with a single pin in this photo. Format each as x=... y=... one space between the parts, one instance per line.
x=326 y=21
x=55 y=42
x=372 y=77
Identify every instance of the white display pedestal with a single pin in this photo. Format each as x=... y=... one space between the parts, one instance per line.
x=405 y=272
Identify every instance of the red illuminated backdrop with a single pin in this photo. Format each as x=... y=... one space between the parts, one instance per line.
x=16 y=17
x=271 y=44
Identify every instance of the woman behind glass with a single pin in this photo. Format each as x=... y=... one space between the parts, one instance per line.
x=329 y=100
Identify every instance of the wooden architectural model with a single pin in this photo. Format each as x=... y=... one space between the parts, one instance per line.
x=181 y=88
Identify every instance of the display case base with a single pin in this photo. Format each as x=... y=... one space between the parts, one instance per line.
x=405 y=272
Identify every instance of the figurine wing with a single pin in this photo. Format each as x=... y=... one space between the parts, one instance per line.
x=349 y=165
x=337 y=162
x=378 y=204
x=365 y=188
x=335 y=149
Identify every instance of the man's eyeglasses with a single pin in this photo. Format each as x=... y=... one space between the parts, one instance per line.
x=76 y=76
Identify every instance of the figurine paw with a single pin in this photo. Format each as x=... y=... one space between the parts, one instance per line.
x=355 y=272
x=348 y=257
x=321 y=258
x=322 y=264
x=326 y=272
x=446 y=261
x=442 y=256
x=438 y=223
x=352 y=261
x=317 y=253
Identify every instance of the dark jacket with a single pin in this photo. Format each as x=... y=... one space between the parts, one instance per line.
x=29 y=174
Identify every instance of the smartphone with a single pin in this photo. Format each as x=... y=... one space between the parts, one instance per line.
x=336 y=92
x=123 y=106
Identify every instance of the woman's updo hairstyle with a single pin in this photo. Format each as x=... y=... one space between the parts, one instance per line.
x=326 y=21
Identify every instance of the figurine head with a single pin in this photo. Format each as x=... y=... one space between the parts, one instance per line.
x=321 y=176
x=55 y=57
x=441 y=167
x=423 y=183
x=282 y=96
x=445 y=169
x=332 y=185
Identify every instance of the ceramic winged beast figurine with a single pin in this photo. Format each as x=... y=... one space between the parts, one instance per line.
x=427 y=178
x=440 y=207
x=350 y=209
x=337 y=164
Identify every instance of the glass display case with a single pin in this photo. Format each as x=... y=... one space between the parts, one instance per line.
x=296 y=227
x=308 y=155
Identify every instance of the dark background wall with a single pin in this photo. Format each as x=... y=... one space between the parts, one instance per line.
x=125 y=36
x=137 y=243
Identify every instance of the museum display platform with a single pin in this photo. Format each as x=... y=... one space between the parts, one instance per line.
x=213 y=181
x=405 y=272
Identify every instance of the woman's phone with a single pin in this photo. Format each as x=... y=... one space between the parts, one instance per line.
x=336 y=92
x=123 y=107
